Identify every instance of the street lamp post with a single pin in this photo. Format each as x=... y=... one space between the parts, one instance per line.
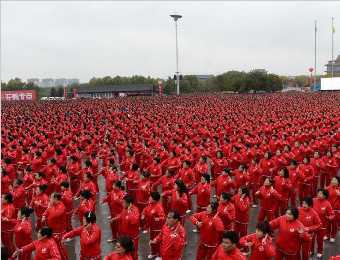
x=176 y=17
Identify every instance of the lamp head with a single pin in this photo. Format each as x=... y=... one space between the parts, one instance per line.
x=176 y=16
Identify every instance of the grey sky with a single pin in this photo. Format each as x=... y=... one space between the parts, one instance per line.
x=96 y=39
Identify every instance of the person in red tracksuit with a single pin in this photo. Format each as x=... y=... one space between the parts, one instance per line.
x=90 y=237
x=203 y=191
x=5 y=182
x=28 y=179
x=226 y=212
x=267 y=166
x=39 y=204
x=241 y=177
x=326 y=213
x=155 y=171
x=329 y=170
x=38 y=180
x=200 y=168
x=154 y=216
x=130 y=177
x=262 y=246
x=186 y=174
x=310 y=219
x=223 y=183
x=22 y=231
x=124 y=246
x=129 y=223
x=67 y=200
x=18 y=193
x=114 y=199
x=228 y=250
x=295 y=176
x=254 y=176
x=51 y=171
x=86 y=204
x=45 y=247
x=94 y=167
x=110 y=174
x=172 y=237
x=269 y=198
x=168 y=183
x=218 y=164
x=61 y=177
x=308 y=171
x=73 y=169
x=242 y=205
x=172 y=162
x=334 y=200
x=179 y=198
x=291 y=233
x=210 y=226
x=279 y=160
x=317 y=165
x=87 y=184
x=55 y=217
x=7 y=228
x=143 y=195
x=282 y=185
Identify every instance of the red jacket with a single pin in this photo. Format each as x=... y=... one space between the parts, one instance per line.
x=143 y=193
x=334 y=198
x=267 y=166
x=22 y=231
x=5 y=182
x=235 y=254
x=241 y=178
x=288 y=239
x=210 y=229
x=324 y=210
x=309 y=218
x=110 y=178
x=269 y=197
x=199 y=169
x=89 y=240
x=39 y=204
x=154 y=214
x=223 y=184
x=226 y=212
x=45 y=249
x=187 y=176
x=89 y=185
x=84 y=206
x=203 y=192
x=114 y=199
x=282 y=188
x=260 y=249
x=131 y=177
x=167 y=183
x=254 y=174
x=56 y=217
x=7 y=211
x=177 y=202
x=129 y=222
x=19 y=197
x=116 y=256
x=241 y=209
x=171 y=244
x=67 y=200
x=156 y=172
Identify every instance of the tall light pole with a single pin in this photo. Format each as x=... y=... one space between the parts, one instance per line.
x=176 y=17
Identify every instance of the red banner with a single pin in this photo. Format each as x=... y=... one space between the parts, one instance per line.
x=65 y=92
x=160 y=87
x=18 y=95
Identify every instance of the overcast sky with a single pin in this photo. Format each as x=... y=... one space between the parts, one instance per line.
x=96 y=39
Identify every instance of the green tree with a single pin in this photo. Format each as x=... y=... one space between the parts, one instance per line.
x=60 y=92
x=53 y=92
x=301 y=81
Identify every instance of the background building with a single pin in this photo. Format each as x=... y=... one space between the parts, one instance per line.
x=259 y=70
x=35 y=81
x=47 y=83
x=336 y=67
x=71 y=81
x=115 y=91
x=204 y=77
x=60 y=82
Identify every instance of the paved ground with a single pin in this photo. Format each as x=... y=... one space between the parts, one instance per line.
x=189 y=252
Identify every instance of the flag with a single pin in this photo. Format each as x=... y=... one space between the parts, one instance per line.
x=333 y=30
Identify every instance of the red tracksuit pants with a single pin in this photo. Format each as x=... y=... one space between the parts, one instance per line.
x=319 y=240
x=241 y=230
x=155 y=248
x=205 y=251
x=279 y=255
x=332 y=227
x=57 y=238
x=254 y=187
x=304 y=190
x=7 y=240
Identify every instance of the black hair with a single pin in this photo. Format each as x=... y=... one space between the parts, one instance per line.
x=56 y=195
x=308 y=158
x=294 y=211
x=42 y=187
x=111 y=161
x=214 y=206
x=127 y=243
x=244 y=166
x=171 y=172
x=8 y=197
x=227 y=196
x=65 y=184
x=146 y=174
x=26 y=211
x=5 y=255
x=8 y=160
x=128 y=199
x=308 y=200
x=52 y=160
x=74 y=158
x=264 y=227
x=18 y=181
x=63 y=169
x=86 y=194
x=89 y=175
x=285 y=172
x=41 y=174
x=175 y=214
x=337 y=178
x=325 y=192
x=206 y=176
x=232 y=236
x=155 y=195
x=269 y=154
x=187 y=162
x=90 y=217
x=245 y=190
x=293 y=162
x=88 y=163
x=181 y=187
x=46 y=231
x=227 y=170
x=4 y=172
x=134 y=166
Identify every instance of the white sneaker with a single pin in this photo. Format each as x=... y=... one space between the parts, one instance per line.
x=325 y=238
x=151 y=256
x=254 y=206
x=196 y=231
x=111 y=240
x=318 y=255
x=246 y=253
x=69 y=239
x=188 y=211
x=145 y=231
x=332 y=240
x=158 y=258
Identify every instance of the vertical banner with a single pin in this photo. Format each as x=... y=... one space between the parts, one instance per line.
x=311 y=77
x=160 y=87
x=75 y=93
x=65 y=91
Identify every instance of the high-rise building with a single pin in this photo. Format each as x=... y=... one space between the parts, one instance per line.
x=60 y=82
x=34 y=80
x=47 y=83
x=71 y=81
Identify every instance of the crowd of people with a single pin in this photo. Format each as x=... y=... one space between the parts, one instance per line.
x=279 y=152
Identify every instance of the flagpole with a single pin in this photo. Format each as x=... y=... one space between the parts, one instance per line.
x=332 y=48
x=315 y=59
